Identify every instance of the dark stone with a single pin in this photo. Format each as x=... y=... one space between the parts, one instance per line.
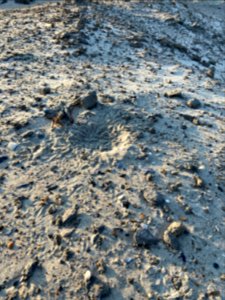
x=68 y=254
x=3 y=158
x=27 y=134
x=216 y=266
x=90 y=100
x=101 y=228
x=193 y=103
x=125 y=203
x=45 y=90
x=144 y=238
x=50 y=113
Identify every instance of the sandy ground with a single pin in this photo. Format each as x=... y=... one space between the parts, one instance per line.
x=112 y=151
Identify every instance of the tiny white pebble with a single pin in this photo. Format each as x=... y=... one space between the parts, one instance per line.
x=167 y=200
x=128 y=260
x=144 y=226
x=87 y=275
x=12 y=146
x=121 y=197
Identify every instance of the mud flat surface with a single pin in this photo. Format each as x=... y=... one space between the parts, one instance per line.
x=112 y=151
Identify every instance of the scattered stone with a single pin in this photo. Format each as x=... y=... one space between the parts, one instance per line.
x=125 y=203
x=90 y=100
x=153 y=197
x=211 y=72
x=216 y=265
x=87 y=276
x=193 y=103
x=10 y=244
x=198 y=182
x=128 y=260
x=149 y=177
x=172 y=233
x=189 y=167
x=28 y=134
x=144 y=238
x=3 y=158
x=100 y=229
x=52 y=209
x=12 y=146
x=173 y=93
x=68 y=254
x=25 y=185
x=69 y=217
x=50 y=113
x=45 y=90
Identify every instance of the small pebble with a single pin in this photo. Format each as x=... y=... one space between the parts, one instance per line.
x=144 y=238
x=12 y=146
x=198 y=182
x=10 y=244
x=216 y=266
x=87 y=276
x=193 y=103
x=45 y=90
x=173 y=93
x=3 y=158
x=90 y=100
